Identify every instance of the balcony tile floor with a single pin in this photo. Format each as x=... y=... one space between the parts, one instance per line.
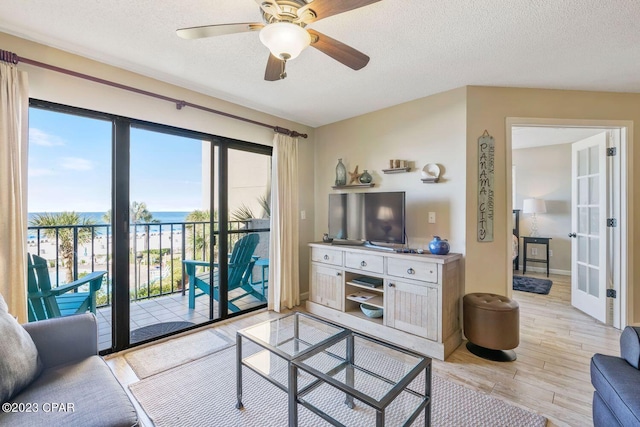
x=168 y=308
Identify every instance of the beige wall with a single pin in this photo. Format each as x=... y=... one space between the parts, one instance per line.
x=59 y=88
x=545 y=173
x=431 y=130
x=488 y=108
x=428 y=130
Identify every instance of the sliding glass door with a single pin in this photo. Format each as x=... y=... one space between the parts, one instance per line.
x=69 y=231
x=171 y=243
x=249 y=204
x=177 y=220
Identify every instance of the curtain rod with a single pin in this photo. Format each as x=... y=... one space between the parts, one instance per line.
x=13 y=58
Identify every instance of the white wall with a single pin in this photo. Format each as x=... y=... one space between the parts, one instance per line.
x=428 y=130
x=545 y=173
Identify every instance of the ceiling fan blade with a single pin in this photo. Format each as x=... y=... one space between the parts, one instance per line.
x=339 y=51
x=274 y=69
x=217 y=30
x=325 y=8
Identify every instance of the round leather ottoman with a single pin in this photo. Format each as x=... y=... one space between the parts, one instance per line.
x=492 y=326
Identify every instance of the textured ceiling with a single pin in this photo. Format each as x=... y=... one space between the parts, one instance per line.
x=417 y=48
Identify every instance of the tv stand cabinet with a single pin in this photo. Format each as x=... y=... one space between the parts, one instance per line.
x=420 y=295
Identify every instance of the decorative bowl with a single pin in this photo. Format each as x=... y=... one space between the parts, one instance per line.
x=371 y=311
x=431 y=171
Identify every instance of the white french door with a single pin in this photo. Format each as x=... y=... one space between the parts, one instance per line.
x=589 y=175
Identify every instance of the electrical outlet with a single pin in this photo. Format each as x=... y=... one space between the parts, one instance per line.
x=303 y=214
x=550 y=253
x=534 y=251
x=432 y=217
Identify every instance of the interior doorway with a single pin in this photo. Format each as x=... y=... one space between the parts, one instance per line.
x=541 y=164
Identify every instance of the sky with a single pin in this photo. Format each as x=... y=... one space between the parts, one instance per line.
x=70 y=166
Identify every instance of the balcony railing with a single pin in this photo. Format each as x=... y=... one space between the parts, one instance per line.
x=156 y=252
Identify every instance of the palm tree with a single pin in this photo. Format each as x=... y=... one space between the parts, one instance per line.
x=65 y=235
x=138 y=213
x=245 y=213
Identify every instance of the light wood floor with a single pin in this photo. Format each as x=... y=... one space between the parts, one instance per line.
x=550 y=376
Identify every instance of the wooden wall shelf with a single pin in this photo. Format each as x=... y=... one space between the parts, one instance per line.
x=397 y=170
x=338 y=187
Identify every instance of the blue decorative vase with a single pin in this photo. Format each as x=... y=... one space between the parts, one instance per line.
x=438 y=246
x=366 y=177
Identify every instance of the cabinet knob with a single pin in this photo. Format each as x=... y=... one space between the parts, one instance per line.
x=411 y=271
x=326 y=257
x=363 y=264
x=338 y=274
x=392 y=285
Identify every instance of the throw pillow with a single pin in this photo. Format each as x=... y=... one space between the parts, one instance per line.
x=630 y=346
x=19 y=361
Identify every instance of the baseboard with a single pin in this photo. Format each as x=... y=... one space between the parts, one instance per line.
x=304 y=296
x=551 y=270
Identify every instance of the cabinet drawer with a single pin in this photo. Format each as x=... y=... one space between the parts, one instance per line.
x=413 y=269
x=365 y=262
x=326 y=256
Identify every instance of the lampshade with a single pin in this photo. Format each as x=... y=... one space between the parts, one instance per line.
x=385 y=213
x=534 y=206
x=284 y=39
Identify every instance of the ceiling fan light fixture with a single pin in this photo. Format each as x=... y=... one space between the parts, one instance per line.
x=284 y=39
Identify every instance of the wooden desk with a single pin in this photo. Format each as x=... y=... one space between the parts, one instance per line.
x=537 y=241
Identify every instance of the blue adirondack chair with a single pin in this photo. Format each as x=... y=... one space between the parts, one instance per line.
x=46 y=302
x=241 y=262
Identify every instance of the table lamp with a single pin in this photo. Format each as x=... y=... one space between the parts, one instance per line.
x=534 y=207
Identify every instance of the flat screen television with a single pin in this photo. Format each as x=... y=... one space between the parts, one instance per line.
x=368 y=217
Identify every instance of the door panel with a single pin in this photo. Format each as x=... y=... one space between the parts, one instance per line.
x=69 y=192
x=589 y=265
x=169 y=222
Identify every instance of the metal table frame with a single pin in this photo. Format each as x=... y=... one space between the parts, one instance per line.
x=351 y=392
x=312 y=349
x=297 y=361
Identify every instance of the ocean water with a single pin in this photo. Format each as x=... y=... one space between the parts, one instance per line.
x=97 y=217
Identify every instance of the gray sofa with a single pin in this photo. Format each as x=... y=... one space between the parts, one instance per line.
x=75 y=387
x=616 y=400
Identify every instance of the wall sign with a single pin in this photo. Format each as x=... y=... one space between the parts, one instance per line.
x=486 y=155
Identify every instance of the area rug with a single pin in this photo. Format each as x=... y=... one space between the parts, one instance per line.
x=531 y=284
x=178 y=351
x=156 y=330
x=203 y=392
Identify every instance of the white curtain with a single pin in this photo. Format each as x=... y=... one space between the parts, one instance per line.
x=14 y=135
x=284 y=284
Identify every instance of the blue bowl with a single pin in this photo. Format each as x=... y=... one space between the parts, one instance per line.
x=371 y=311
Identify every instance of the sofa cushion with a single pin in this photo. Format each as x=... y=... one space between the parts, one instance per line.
x=87 y=394
x=19 y=361
x=617 y=384
x=602 y=415
x=630 y=346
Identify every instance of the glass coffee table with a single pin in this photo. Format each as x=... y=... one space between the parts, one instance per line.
x=341 y=376
x=282 y=341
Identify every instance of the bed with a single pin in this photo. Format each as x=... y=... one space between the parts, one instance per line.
x=516 y=239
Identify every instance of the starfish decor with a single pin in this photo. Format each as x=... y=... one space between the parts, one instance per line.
x=354 y=176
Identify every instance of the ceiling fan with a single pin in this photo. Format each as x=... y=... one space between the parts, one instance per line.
x=283 y=32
